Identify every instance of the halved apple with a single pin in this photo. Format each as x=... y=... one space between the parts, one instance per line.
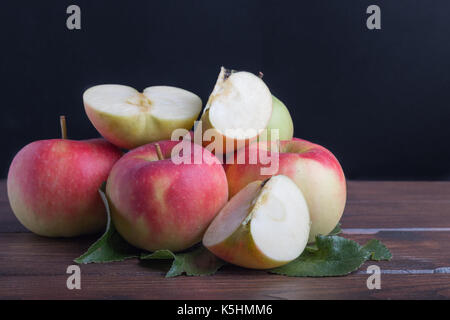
x=238 y=109
x=129 y=118
x=265 y=225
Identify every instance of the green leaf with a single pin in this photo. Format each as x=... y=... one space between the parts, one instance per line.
x=330 y=255
x=337 y=230
x=335 y=256
x=312 y=248
x=197 y=262
x=111 y=246
x=159 y=254
x=377 y=251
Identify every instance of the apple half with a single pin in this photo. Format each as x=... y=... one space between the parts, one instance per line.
x=264 y=226
x=238 y=110
x=129 y=118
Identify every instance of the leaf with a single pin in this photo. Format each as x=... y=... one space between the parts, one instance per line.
x=197 y=262
x=158 y=255
x=377 y=251
x=335 y=256
x=312 y=248
x=111 y=246
x=330 y=255
x=337 y=230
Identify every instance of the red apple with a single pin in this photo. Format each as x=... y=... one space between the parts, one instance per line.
x=159 y=204
x=313 y=168
x=52 y=185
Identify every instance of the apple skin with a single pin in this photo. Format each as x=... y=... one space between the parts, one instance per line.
x=132 y=131
x=157 y=204
x=281 y=120
x=53 y=186
x=239 y=248
x=313 y=168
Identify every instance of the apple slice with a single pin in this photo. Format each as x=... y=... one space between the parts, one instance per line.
x=265 y=225
x=238 y=109
x=128 y=118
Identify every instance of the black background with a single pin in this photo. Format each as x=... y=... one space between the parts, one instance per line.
x=377 y=99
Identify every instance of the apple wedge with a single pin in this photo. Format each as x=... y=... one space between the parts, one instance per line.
x=238 y=110
x=264 y=226
x=129 y=118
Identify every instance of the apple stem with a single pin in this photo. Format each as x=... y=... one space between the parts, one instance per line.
x=62 y=122
x=158 y=151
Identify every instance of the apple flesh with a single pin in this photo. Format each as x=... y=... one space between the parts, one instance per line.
x=265 y=225
x=280 y=120
x=128 y=118
x=158 y=204
x=313 y=168
x=53 y=186
x=238 y=110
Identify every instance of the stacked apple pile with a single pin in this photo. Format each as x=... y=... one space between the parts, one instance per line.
x=241 y=213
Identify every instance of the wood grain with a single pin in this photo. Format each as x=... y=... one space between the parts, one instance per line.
x=33 y=267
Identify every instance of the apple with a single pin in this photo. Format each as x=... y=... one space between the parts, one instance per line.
x=238 y=110
x=313 y=168
x=280 y=120
x=128 y=118
x=157 y=203
x=265 y=225
x=52 y=185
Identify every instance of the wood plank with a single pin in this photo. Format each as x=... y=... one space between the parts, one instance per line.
x=399 y=191
x=387 y=204
x=39 y=269
x=34 y=267
x=230 y=285
x=383 y=214
x=411 y=250
x=374 y=204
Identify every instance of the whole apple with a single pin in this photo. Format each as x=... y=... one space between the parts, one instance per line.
x=52 y=185
x=313 y=168
x=280 y=120
x=157 y=203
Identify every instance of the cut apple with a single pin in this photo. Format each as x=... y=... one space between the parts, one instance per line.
x=238 y=109
x=265 y=225
x=129 y=118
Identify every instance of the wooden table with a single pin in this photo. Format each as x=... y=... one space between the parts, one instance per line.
x=411 y=218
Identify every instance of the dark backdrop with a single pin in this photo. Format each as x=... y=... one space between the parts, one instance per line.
x=378 y=99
